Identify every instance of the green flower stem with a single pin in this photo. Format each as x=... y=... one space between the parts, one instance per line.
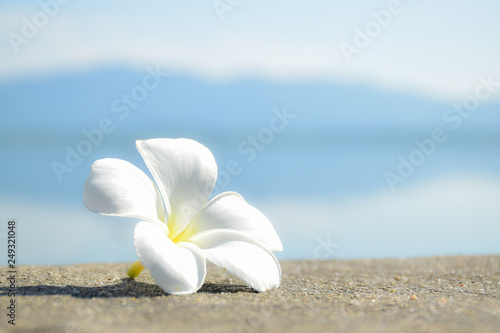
x=135 y=269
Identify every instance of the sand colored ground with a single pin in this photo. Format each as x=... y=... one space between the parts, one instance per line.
x=451 y=294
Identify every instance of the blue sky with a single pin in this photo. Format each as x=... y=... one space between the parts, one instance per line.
x=436 y=49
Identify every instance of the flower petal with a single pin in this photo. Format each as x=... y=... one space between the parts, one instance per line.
x=242 y=256
x=230 y=211
x=118 y=188
x=177 y=268
x=185 y=172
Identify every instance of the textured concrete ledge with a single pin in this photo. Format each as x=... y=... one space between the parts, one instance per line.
x=450 y=294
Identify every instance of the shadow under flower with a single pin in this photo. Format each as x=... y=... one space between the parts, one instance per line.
x=126 y=288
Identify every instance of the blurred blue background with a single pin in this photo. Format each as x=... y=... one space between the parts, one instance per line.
x=351 y=174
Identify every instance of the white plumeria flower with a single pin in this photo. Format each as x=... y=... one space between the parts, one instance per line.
x=179 y=232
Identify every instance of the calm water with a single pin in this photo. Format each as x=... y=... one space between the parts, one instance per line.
x=326 y=201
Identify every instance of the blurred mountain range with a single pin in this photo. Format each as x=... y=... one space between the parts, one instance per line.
x=61 y=106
